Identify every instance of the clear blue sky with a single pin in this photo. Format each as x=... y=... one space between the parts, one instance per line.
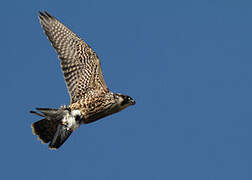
x=188 y=64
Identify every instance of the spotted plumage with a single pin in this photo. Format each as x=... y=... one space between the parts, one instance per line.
x=90 y=98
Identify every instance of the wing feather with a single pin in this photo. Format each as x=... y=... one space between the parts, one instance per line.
x=80 y=64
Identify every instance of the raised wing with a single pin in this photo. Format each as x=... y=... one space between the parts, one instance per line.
x=79 y=63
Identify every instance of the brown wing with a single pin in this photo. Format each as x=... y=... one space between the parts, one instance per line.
x=79 y=63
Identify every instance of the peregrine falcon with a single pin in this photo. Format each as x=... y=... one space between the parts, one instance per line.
x=91 y=99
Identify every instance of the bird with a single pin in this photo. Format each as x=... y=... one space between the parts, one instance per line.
x=90 y=98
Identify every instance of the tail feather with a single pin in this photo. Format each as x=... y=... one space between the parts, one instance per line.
x=60 y=136
x=50 y=129
x=45 y=129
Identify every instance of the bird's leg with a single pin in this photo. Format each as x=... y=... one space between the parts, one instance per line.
x=64 y=121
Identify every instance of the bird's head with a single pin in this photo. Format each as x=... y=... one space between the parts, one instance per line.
x=124 y=101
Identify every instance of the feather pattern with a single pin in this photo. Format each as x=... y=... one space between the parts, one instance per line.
x=91 y=100
x=79 y=63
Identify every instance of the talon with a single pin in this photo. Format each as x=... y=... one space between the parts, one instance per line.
x=64 y=123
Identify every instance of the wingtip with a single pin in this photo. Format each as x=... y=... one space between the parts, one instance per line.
x=32 y=112
x=45 y=109
x=36 y=113
x=41 y=109
x=45 y=15
x=41 y=15
x=49 y=15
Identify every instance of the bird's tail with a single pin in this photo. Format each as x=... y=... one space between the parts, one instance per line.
x=50 y=128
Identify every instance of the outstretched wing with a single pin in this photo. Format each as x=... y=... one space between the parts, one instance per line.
x=79 y=63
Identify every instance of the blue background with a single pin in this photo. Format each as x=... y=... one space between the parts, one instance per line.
x=188 y=64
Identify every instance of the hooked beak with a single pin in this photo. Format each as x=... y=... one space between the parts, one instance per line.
x=132 y=102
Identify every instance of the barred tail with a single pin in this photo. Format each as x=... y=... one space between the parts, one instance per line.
x=50 y=129
x=45 y=129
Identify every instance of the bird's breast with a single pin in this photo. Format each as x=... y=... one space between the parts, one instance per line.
x=95 y=108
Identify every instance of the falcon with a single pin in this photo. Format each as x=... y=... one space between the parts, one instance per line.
x=90 y=97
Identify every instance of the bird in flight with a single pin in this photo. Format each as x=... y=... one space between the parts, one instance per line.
x=90 y=97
